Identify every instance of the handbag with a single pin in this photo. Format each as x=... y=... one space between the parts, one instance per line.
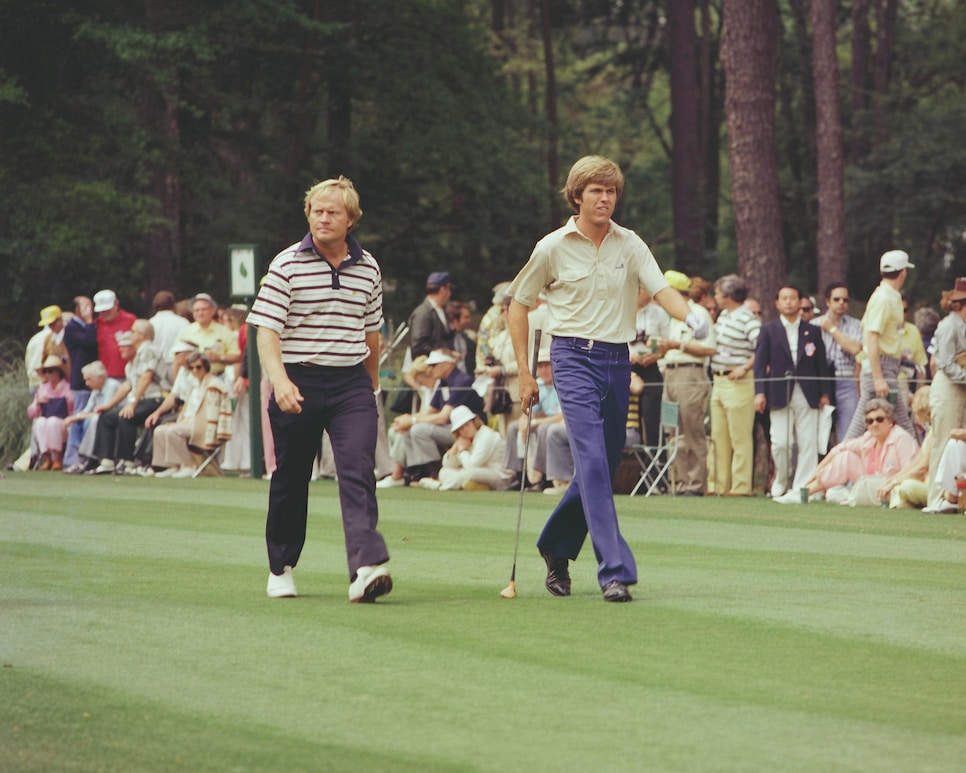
x=498 y=398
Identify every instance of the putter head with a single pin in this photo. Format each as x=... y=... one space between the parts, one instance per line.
x=510 y=591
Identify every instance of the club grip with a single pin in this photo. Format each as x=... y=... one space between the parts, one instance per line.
x=536 y=351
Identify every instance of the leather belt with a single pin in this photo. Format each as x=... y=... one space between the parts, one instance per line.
x=672 y=365
x=723 y=372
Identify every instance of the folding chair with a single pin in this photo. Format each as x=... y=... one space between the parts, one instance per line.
x=205 y=457
x=657 y=462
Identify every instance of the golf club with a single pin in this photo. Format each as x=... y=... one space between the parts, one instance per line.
x=510 y=591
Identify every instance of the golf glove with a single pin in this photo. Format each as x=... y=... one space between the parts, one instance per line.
x=698 y=325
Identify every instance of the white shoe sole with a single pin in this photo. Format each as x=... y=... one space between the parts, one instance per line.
x=371 y=582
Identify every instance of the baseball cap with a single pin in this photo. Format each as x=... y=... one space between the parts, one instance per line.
x=677 y=280
x=438 y=279
x=104 y=300
x=436 y=357
x=48 y=314
x=461 y=415
x=894 y=260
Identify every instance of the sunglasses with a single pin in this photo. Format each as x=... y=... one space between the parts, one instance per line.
x=839 y=300
x=807 y=308
x=49 y=370
x=870 y=420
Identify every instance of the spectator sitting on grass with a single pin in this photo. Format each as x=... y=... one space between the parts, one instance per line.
x=475 y=460
x=907 y=488
x=883 y=450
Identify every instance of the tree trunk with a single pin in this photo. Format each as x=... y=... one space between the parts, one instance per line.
x=710 y=124
x=687 y=180
x=859 y=80
x=553 y=163
x=830 y=242
x=163 y=242
x=748 y=54
x=885 y=22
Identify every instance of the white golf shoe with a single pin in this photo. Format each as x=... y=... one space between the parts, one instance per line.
x=282 y=586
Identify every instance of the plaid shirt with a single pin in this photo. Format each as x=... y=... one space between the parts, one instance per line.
x=840 y=359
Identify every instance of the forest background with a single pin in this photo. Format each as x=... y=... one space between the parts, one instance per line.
x=778 y=138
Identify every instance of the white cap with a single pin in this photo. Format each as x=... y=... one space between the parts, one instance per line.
x=104 y=300
x=894 y=260
x=461 y=415
x=436 y=357
x=183 y=346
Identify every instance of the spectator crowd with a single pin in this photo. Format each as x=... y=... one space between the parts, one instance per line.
x=868 y=410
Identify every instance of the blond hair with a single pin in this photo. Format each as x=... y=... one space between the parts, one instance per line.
x=350 y=198
x=591 y=169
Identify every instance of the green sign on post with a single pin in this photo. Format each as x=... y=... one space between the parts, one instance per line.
x=243 y=271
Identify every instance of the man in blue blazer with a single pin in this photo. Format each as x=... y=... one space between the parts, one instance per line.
x=792 y=382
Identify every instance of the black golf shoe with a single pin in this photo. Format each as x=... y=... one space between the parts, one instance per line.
x=558 y=576
x=615 y=590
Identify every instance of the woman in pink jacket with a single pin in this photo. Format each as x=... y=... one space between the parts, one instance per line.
x=884 y=449
x=52 y=403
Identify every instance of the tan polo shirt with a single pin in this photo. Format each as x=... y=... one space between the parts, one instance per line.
x=590 y=293
x=883 y=315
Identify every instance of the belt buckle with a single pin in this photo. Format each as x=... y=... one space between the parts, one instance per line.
x=589 y=346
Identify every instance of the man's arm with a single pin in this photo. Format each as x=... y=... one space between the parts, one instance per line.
x=673 y=303
x=519 y=325
x=371 y=363
x=287 y=395
x=872 y=349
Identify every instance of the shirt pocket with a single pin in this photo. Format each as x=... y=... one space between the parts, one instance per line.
x=573 y=285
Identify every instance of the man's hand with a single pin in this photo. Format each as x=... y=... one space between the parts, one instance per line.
x=881 y=387
x=529 y=391
x=760 y=403
x=151 y=420
x=127 y=412
x=288 y=397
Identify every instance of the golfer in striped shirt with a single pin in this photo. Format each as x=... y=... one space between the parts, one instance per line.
x=318 y=315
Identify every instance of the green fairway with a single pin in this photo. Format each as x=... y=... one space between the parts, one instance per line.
x=135 y=635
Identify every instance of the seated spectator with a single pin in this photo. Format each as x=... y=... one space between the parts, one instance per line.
x=137 y=397
x=206 y=399
x=419 y=440
x=51 y=405
x=475 y=460
x=952 y=464
x=82 y=425
x=907 y=488
x=542 y=414
x=883 y=450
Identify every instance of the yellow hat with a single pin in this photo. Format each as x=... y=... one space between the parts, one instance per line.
x=48 y=314
x=677 y=280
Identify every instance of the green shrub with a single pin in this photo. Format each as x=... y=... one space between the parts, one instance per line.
x=14 y=399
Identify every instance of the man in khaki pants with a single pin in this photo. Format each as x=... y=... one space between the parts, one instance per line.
x=686 y=383
x=733 y=388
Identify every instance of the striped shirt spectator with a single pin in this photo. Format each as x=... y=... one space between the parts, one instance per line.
x=316 y=309
x=736 y=332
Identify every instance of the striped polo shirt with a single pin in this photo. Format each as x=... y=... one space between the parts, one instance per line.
x=736 y=332
x=321 y=314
